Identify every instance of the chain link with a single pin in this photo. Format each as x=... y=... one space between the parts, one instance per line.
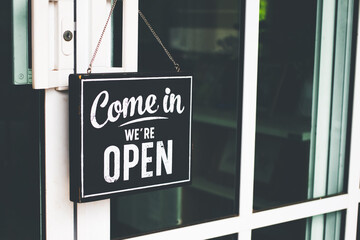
x=176 y=65
x=101 y=37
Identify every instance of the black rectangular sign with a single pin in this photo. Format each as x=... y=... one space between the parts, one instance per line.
x=128 y=132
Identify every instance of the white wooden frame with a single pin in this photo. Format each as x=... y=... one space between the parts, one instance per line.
x=65 y=220
x=52 y=56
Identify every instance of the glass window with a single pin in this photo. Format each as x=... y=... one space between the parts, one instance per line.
x=329 y=226
x=20 y=202
x=204 y=38
x=304 y=77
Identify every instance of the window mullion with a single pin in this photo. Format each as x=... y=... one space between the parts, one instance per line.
x=354 y=164
x=249 y=107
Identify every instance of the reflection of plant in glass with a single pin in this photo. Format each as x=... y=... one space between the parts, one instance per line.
x=263 y=7
x=229 y=45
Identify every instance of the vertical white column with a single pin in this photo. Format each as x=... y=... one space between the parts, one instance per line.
x=130 y=35
x=83 y=49
x=93 y=219
x=354 y=165
x=249 y=112
x=90 y=22
x=324 y=98
x=59 y=208
x=52 y=56
x=40 y=43
x=320 y=144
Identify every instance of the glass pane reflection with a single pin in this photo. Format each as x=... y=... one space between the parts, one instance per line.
x=302 y=110
x=329 y=226
x=203 y=37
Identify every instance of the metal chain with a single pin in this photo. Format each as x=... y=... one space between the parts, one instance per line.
x=176 y=65
x=101 y=37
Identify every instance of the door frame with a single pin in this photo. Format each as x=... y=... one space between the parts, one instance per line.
x=92 y=220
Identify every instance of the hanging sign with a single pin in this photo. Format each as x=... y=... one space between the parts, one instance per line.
x=128 y=132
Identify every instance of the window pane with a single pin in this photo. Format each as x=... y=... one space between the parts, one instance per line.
x=329 y=227
x=304 y=77
x=203 y=37
x=19 y=146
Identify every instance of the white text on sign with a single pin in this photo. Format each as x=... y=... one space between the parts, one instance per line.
x=134 y=106
x=134 y=134
x=113 y=153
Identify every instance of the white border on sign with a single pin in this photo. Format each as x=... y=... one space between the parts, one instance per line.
x=82 y=137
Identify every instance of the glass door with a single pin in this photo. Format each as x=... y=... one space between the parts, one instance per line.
x=232 y=48
x=206 y=38
x=240 y=54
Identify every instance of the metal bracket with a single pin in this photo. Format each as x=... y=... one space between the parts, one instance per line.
x=20 y=42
